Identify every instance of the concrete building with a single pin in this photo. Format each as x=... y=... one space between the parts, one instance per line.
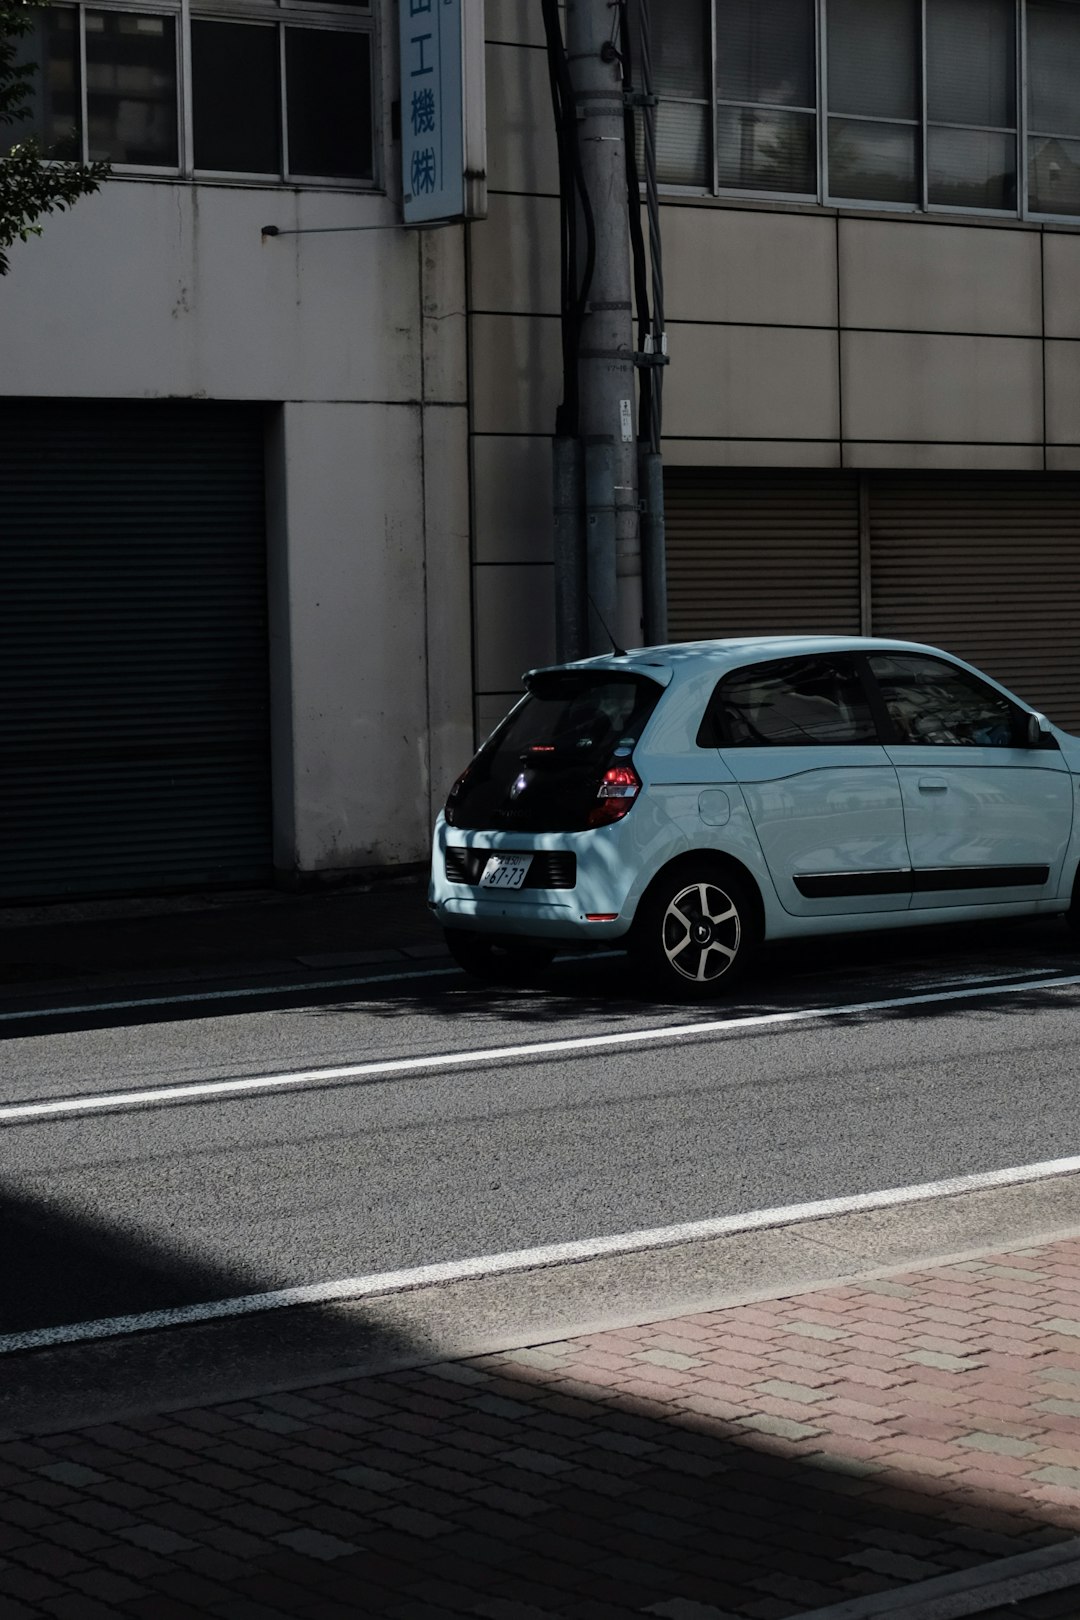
x=278 y=530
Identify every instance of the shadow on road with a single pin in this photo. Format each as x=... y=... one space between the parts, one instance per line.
x=588 y=986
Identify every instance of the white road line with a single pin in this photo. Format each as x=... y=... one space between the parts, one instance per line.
x=14 y=1113
x=551 y=1254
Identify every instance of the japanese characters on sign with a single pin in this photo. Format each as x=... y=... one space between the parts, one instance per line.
x=442 y=110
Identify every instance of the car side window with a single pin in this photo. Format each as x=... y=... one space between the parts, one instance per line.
x=792 y=702
x=931 y=702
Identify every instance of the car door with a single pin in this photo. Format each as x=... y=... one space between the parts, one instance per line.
x=988 y=816
x=799 y=736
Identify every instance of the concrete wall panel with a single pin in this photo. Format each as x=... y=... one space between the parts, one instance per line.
x=515 y=624
x=514 y=22
x=514 y=256
x=202 y=305
x=750 y=453
x=919 y=276
x=1061 y=271
x=512 y=499
x=749 y=266
x=521 y=127
x=357 y=634
x=752 y=382
x=946 y=457
x=447 y=605
x=516 y=373
x=912 y=387
x=1063 y=392
x=444 y=319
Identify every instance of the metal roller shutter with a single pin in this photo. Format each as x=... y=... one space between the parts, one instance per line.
x=988 y=568
x=134 y=752
x=761 y=553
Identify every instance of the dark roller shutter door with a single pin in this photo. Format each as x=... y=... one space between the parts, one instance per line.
x=134 y=749
x=988 y=568
x=761 y=553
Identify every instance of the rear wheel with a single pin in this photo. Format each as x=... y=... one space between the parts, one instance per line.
x=1072 y=916
x=498 y=959
x=695 y=932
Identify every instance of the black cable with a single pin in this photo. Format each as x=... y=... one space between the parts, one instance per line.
x=572 y=179
x=652 y=208
x=566 y=416
x=637 y=236
x=571 y=123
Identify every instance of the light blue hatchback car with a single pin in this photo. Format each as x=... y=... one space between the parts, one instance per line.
x=694 y=800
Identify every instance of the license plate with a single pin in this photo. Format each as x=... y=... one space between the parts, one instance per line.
x=505 y=871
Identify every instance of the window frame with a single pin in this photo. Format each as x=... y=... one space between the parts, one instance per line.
x=713 y=731
x=822 y=196
x=323 y=16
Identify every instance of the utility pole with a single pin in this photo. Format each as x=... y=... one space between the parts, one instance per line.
x=606 y=350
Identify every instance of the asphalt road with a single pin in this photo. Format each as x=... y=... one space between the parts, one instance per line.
x=169 y=1202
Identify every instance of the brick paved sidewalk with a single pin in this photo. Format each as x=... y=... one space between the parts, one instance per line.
x=758 y=1461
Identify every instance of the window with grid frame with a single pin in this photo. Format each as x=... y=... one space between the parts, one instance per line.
x=913 y=104
x=279 y=92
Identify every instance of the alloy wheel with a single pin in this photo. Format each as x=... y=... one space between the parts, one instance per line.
x=702 y=932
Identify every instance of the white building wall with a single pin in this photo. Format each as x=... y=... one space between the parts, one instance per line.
x=355 y=340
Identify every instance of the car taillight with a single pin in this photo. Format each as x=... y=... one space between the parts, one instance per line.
x=454 y=794
x=619 y=787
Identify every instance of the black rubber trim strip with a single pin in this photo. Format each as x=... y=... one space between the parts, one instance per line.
x=935 y=878
x=838 y=885
x=930 y=880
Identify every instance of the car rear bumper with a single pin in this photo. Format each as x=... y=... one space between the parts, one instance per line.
x=601 y=889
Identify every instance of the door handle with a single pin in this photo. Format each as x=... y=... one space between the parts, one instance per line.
x=932 y=784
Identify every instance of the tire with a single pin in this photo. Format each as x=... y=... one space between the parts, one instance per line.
x=695 y=933
x=498 y=959
x=1072 y=916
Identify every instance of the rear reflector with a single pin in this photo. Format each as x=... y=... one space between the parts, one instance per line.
x=601 y=916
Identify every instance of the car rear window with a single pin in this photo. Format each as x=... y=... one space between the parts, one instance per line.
x=541 y=769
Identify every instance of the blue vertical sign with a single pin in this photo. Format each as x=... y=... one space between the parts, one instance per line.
x=439 y=119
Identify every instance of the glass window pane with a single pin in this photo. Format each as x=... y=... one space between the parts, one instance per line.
x=1053 y=175
x=972 y=168
x=682 y=145
x=53 y=103
x=873 y=162
x=762 y=150
x=971 y=61
x=328 y=96
x=765 y=51
x=131 y=88
x=541 y=767
x=873 y=48
x=1053 y=28
x=681 y=48
x=795 y=701
x=237 y=133
x=931 y=702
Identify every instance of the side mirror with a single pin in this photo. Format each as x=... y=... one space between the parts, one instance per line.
x=1037 y=730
